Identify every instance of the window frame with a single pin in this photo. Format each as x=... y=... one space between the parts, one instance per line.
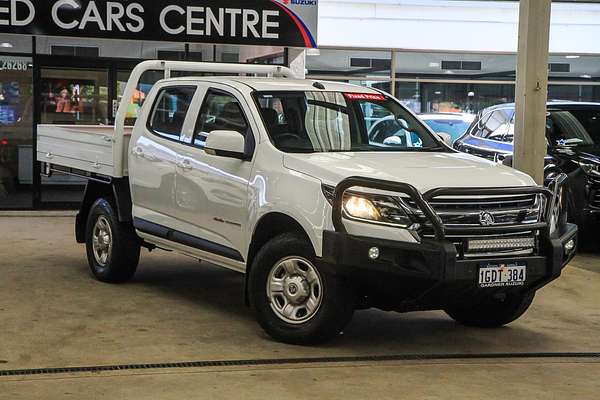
x=157 y=98
x=250 y=141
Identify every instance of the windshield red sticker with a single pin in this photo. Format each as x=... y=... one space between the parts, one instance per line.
x=364 y=96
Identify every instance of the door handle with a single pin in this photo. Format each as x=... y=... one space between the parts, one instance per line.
x=185 y=164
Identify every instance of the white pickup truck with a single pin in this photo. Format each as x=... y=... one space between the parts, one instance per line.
x=299 y=185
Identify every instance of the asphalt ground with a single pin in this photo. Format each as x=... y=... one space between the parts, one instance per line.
x=178 y=311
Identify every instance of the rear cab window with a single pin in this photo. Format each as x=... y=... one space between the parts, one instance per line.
x=170 y=110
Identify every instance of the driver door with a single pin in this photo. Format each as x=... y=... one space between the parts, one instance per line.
x=211 y=191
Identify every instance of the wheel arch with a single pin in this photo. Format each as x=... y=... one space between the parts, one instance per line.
x=268 y=227
x=116 y=192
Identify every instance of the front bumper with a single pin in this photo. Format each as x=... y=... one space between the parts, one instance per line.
x=431 y=274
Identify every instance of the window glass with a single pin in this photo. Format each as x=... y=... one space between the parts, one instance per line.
x=74 y=96
x=454 y=127
x=384 y=128
x=170 y=110
x=134 y=107
x=309 y=122
x=220 y=112
x=496 y=125
x=573 y=128
x=16 y=137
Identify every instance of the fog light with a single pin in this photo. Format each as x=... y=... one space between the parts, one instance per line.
x=570 y=246
x=374 y=253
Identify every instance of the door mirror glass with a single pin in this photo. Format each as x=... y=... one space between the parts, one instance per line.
x=225 y=144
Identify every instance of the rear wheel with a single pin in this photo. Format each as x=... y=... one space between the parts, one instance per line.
x=295 y=300
x=492 y=313
x=113 y=248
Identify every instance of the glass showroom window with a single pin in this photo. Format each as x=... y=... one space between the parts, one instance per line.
x=74 y=96
x=16 y=136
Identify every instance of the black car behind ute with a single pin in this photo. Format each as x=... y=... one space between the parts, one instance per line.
x=573 y=135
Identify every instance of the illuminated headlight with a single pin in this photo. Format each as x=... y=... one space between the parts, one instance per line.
x=379 y=209
x=501 y=244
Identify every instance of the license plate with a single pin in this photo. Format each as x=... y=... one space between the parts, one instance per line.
x=500 y=275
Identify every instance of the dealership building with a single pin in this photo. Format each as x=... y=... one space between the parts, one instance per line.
x=67 y=62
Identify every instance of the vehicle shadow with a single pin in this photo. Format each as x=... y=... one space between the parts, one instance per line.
x=371 y=332
x=203 y=284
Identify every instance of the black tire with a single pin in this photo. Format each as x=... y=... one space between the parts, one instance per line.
x=492 y=313
x=124 y=255
x=336 y=304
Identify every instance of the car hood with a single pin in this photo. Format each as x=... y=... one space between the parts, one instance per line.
x=423 y=170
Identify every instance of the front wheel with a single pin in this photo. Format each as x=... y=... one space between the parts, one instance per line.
x=113 y=248
x=295 y=300
x=492 y=313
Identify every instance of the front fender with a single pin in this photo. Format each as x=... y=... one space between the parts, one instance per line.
x=295 y=195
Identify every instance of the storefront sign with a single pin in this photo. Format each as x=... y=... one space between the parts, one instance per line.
x=261 y=22
x=13 y=64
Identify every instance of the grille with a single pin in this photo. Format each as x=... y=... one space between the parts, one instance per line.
x=513 y=215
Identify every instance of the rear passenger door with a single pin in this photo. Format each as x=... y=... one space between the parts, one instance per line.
x=153 y=158
x=211 y=191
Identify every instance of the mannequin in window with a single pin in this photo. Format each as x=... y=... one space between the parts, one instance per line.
x=63 y=103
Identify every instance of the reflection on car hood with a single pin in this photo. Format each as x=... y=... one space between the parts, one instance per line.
x=425 y=171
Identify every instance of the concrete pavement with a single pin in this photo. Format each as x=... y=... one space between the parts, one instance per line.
x=53 y=314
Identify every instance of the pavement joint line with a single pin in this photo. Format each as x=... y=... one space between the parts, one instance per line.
x=195 y=371
x=37 y=214
x=292 y=361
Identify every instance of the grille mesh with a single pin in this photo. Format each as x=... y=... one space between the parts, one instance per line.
x=506 y=210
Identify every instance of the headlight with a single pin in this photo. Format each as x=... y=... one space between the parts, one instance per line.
x=590 y=169
x=373 y=208
x=359 y=207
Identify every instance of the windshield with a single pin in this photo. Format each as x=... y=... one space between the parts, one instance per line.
x=454 y=127
x=317 y=122
x=573 y=128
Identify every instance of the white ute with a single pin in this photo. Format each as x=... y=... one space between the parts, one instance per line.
x=295 y=184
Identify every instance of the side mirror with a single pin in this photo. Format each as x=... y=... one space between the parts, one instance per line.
x=508 y=161
x=445 y=137
x=225 y=144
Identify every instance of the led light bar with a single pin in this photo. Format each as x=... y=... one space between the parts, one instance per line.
x=500 y=244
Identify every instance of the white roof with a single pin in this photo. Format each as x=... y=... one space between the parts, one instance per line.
x=281 y=84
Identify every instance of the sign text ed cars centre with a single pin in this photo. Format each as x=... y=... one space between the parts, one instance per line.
x=261 y=22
